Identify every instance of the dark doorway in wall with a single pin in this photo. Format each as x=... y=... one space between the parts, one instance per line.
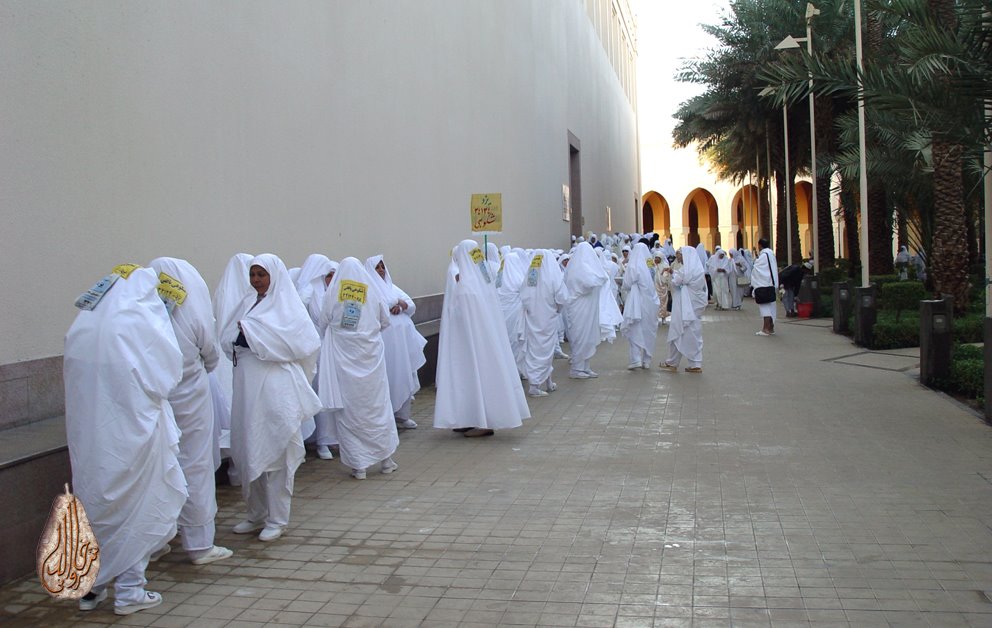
x=575 y=184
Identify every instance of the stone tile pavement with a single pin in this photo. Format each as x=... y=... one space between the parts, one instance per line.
x=798 y=481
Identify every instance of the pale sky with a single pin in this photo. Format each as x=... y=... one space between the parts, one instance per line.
x=667 y=34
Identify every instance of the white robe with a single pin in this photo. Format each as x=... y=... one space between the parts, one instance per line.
x=193 y=404
x=640 y=313
x=272 y=390
x=477 y=380
x=719 y=269
x=353 y=381
x=585 y=278
x=122 y=361
x=231 y=297
x=764 y=273
x=508 y=290
x=543 y=294
x=404 y=346
x=685 y=331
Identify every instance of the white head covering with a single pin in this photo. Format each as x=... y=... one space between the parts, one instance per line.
x=278 y=328
x=702 y=254
x=584 y=271
x=317 y=288
x=690 y=281
x=233 y=296
x=383 y=284
x=194 y=318
x=493 y=258
x=316 y=265
x=718 y=261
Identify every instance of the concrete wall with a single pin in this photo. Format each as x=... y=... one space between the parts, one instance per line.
x=134 y=129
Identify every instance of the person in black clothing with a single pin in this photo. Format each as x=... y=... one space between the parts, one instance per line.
x=790 y=279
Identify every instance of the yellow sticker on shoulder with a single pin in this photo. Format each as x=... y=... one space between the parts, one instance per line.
x=537 y=261
x=477 y=255
x=125 y=270
x=352 y=291
x=171 y=288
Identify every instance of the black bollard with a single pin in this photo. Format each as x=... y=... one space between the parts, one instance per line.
x=842 y=306
x=865 y=308
x=936 y=340
x=988 y=369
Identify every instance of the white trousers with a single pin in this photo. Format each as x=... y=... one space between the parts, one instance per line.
x=326 y=432
x=639 y=355
x=405 y=410
x=129 y=586
x=270 y=497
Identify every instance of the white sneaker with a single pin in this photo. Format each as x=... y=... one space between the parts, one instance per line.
x=633 y=366
x=646 y=365
x=248 y=526
x=579 y=375
x=560 y=355
x=389 y=465
x=358 y=474
x=212 y=555
x=536 y=392
x=324 y=452
x=270 y=533
x=406 y=424
x=552 y=386
x=151 y=601
x=593 y=374
x=91 y=600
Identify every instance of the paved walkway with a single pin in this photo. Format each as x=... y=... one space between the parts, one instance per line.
x=798 y=481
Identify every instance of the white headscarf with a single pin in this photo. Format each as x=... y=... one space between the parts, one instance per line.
x=316 y=265
x=317 y=289
x=689 y=283
x=278 y=328
x=584 y=271
x=233 y=296
x=703 y=255
x=193 y=320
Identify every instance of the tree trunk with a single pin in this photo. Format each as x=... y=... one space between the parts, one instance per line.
x=780 y=234
x=824 y=222
x=879 y=232
x=849 y=206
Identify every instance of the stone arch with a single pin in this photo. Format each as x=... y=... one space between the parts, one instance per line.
x=700 y=219
x=804 y=211
x=745 y=217
x=656 y=215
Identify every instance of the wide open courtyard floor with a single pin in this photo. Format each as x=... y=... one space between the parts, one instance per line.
x=798 y=480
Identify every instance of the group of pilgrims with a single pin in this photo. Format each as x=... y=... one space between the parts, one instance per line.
x=162 y=380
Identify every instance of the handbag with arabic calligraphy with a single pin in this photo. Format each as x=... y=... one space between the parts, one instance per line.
x=68 y=553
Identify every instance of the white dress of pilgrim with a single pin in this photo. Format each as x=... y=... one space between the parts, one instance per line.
x=192 y=403
x=325 y=428
x=640 y=312
x=511 y=275
x=609 y=308
x=543 y=294
x=585 y=279
x=353 y=381
x=122 y=361
x=764 y=273
x=272 y=394
x=229 y=294
x=477 y=380
x=404 y=345
x=685 y=331
x=718 y=266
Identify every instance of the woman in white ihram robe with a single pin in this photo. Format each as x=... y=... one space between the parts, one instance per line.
x=275 y=356
x=478 y=389
x=353 y=380
x=325 y=431
x=121 y=362
x=640 y=312
x=685 y=332
x=404 y=345
x=231 y=291
x=192 y=404
x=719 y=267
x=585 y=278
x=544 y=295
x=610 y=316
x=511 y=275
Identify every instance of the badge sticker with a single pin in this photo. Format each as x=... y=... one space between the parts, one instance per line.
x=125 y=270
x=171 y=290
x=89 y=299
x=352 y=291
x=532 y=277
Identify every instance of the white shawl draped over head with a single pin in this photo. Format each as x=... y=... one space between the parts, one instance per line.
x=690 y=297
x=233 y=296
x=477 y=380
x=193 y=320
x=122 y=361
x=316 y=265
x=703 y=256
x=586 y=280
x=718 y=261
x=278 y=328
x=764 y=270
x=317 y=289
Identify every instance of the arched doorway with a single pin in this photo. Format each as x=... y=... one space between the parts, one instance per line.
x=700 y=217
x=656 y=214
x=804 y=209
x=745 y=217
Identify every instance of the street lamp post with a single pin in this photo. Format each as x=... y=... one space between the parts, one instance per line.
x=862 y=162
x=793 y=42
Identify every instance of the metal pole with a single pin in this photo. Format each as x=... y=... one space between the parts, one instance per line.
x=757 y=195
x=812 y=150
x=768 y=181
x=788 y=184
x=863 y=163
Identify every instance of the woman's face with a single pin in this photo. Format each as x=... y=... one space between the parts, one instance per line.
x=259 y=279
x=381 y=269
x=678 y=256
x=328 y=278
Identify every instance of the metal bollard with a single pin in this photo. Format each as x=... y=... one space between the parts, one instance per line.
x=988 y=370
x=842 y=306
x=865 y=310
x=936 y=340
